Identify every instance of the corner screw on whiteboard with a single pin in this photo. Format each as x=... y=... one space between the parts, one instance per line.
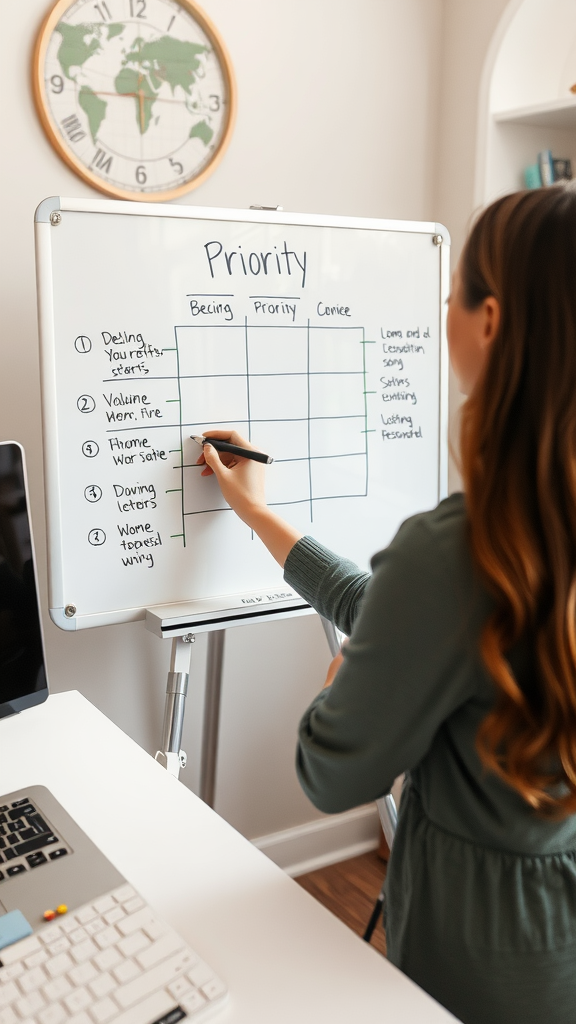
x=437 y=239
x=55 y=218
x=70 y=611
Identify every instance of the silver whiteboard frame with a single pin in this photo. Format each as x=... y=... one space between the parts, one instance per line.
x=47 y=217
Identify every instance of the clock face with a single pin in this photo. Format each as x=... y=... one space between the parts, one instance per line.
x=136 y=95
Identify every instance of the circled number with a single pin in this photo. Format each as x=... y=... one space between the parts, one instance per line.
x=90 y=449
x=86 y=403
x=93 y=493
x=82 y=344
x=97 y=537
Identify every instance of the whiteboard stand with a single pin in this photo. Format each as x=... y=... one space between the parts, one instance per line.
x=180 y=623
x=171 y=756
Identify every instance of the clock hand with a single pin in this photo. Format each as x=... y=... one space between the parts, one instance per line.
x=141 y=104
x=158 y=99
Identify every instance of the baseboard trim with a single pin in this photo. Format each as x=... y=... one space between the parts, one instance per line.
x=325 y=841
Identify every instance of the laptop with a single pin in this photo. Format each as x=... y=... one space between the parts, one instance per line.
x=78 y=944
x=22 y=675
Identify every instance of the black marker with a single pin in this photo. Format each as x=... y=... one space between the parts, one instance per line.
x=233 y=449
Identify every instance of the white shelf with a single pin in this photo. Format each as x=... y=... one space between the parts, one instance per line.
x=553 y=114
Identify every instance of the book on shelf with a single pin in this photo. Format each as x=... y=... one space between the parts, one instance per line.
x=532 y=176
x=546 y=166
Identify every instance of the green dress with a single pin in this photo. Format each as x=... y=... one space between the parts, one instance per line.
x=481 y=892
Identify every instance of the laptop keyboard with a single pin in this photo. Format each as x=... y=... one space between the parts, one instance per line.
x=109 y=961
x=26 y=839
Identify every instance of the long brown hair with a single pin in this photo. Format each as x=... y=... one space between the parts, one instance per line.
x=518 y=451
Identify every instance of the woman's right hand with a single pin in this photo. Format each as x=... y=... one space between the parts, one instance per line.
x=242 y=481
x=242 y=485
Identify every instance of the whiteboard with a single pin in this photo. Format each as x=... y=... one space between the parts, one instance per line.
x=320 y=339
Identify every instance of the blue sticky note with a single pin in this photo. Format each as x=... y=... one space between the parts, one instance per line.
x=13 y=927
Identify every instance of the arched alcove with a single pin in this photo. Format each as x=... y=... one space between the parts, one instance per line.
x=526 y=103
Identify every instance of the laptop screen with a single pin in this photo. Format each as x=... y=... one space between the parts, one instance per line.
x=22 y=674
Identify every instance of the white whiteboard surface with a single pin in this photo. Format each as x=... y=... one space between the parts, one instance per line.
x=321 y=339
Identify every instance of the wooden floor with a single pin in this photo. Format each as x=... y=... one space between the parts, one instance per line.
x=349 y=890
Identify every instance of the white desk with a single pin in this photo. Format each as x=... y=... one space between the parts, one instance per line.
x=284 y=957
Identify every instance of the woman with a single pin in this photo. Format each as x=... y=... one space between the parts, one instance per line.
x=461 y=664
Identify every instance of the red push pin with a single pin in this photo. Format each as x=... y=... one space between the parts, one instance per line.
x=49 y=915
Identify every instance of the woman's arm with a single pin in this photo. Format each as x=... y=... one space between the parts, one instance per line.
x=334 y=586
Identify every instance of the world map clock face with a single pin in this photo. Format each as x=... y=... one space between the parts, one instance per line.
x=136 y=93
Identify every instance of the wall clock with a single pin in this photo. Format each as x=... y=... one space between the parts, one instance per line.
x=137 y=96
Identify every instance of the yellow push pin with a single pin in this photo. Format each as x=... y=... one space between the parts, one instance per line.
x=62 y=909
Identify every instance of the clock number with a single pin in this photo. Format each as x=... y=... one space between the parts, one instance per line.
x=141 y=176
x=103 y=11
x=57 y=83
x=102 y=161
x=73 y=128
x=177 y=166
x=141 y=8
x=214 y=104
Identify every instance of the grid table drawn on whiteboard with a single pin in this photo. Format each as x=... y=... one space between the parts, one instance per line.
x=319 y=394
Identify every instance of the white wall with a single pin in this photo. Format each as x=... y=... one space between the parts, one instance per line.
x=337 y=114
x=468 y=31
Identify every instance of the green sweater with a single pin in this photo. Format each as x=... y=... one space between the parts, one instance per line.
x=481 y=892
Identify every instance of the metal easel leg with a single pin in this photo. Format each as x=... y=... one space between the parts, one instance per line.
x=388 y=817
x=171 y=756
x=211 y=725
x=332 y=636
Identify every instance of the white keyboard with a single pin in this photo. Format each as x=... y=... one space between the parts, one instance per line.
x=109 y=962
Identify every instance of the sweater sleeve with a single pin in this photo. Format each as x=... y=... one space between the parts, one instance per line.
x=333 y=586
x=403 y=675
